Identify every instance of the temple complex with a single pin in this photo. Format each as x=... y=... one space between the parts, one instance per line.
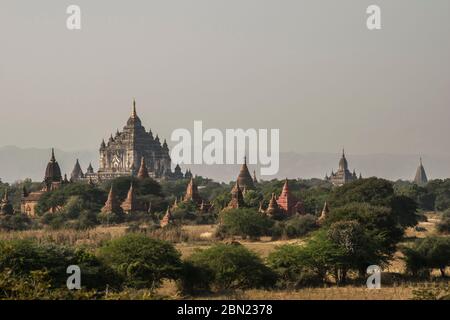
x=237 y=198
x=123 y=154
x=288 y=203
x=52 y=180
x=343 y=174
x=273 y=209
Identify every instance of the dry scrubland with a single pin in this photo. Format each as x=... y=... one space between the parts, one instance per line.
x=202 y=236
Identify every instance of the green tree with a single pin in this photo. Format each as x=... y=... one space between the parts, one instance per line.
x=245 y=223
x=82 y=197
x=142 y=261
x=26 y=256
x=232 y=266
x=288 y=261
x=428 y=253
x=376 y=220
x=252 y=198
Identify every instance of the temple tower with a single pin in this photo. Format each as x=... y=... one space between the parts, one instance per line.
x=421 y=177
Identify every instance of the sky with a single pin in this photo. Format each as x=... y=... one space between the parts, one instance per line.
x=309 y=68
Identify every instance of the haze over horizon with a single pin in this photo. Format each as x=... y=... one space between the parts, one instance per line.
x=318 y=75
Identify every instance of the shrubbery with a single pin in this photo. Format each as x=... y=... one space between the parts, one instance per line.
x=443 y=226
x=244 y=223
x=16 y=222
x=294 y=227
x=288 y=261
x=25 y=256
x=142 y=261
x=226 y=266
x=427 y=254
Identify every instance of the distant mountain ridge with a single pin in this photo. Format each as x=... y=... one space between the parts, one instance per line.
x=20 y=163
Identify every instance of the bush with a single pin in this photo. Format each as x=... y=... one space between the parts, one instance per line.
x=110 y=218
x=78 y=196
x=15 y=222
x=245 y=223
x=444 y=225
x=25 y=256
x=427 y=254
x=230 y=266
x=288 y=262
x=376 y=220
x=54 y=220
x=295 y=227
x=143 y=262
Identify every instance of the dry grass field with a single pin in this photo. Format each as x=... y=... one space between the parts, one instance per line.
x=202 y=236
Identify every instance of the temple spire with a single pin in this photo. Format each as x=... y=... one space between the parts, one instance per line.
x=133 y=112
x=53 y=159
x=244 y=178
x=143 y=171
x=421 y=177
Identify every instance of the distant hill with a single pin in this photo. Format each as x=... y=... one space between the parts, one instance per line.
x=20 y=163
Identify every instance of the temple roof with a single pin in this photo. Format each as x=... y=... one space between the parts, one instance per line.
x=273 y=207
x=90 y=169
x=77 y=172
x=421 y=176
x=112 y=204
x=167 y=219
x=343 y=164
x=130 y=204
x=143 y=171
x=53 y=172
x=287 y=201
x=192 y=192
x=134 y=119
x=244 y=178
x=237 y=198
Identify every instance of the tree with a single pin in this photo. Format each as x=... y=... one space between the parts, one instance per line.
x=82 y=196
x=142 y=261
x=245 y=223
x=288 y=261
x=428 y=253
x=232 y=266
x=358 y=248
x=16 y=221
x=373 y=191
x=376 y=220
x=335 y=250
x=294 y=227
x=443 y=226
x=25 y=256
x=252 y=198
x=404 y=209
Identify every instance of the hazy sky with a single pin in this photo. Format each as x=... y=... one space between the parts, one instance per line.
x=310 y=68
